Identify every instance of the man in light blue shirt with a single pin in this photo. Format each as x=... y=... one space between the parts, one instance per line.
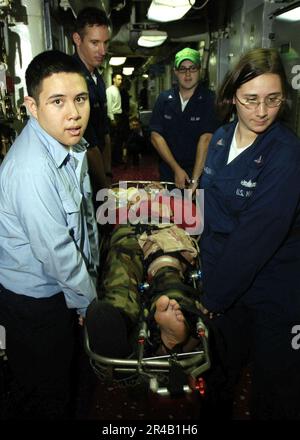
x=48 y=234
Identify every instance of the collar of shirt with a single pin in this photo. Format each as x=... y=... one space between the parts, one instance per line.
x=183 y=102
x=94 y=77
x=89 y=75
x=234 y=150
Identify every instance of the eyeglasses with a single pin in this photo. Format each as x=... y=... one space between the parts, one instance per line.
x=191 y=69
x=253 y=103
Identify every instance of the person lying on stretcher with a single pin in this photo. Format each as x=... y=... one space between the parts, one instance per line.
x=161 y=254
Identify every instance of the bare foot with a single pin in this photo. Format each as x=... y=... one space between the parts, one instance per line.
x=171 y=321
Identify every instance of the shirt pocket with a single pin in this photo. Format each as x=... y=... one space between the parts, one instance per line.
x=72 y=208
x=237 y=202
x=239 y=191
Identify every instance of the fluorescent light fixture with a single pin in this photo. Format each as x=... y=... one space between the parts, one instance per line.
x=152 y=38
x=127 y=70
x=292 y=15
x=169 y=10
x=117 y=61
x=145 y=75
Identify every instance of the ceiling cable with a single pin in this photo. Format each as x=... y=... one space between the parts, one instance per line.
x=199 y=7
x=119 y=6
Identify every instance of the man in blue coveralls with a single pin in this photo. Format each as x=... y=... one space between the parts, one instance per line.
x=182 y=123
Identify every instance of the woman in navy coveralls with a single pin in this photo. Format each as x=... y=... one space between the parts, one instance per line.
x=250 y=246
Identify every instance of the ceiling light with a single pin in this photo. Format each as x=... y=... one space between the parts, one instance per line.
x=169 y=10
x=127 y=70
x=152 y=38
x=117 y=61
x=291 y=15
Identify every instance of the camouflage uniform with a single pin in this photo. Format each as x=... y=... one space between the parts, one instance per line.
x=125 y=269
x=123 y=272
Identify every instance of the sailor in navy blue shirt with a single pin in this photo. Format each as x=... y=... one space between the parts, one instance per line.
x=182 y=123
x=98 y=125
x=250 y=246
x=91 y=38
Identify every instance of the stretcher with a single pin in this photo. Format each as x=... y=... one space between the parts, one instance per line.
x=174 y=372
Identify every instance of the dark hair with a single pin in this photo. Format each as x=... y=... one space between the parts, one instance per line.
x=46 y=64
x=90 y=16
x=254 y=63
x=134 y=118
